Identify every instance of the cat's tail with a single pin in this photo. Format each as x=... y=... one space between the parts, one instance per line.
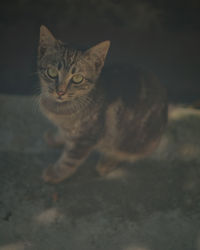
x=193 y=105
x=181 y=139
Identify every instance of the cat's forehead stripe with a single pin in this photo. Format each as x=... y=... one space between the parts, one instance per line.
x=70 y=57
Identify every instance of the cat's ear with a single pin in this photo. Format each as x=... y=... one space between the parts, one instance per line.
x=97 y=54
x=46 y=40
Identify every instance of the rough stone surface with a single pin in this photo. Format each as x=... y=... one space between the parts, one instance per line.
x=151 y=205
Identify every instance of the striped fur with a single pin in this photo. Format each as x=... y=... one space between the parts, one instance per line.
x=121 y=113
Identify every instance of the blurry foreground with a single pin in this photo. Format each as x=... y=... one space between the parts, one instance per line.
x=151 y=205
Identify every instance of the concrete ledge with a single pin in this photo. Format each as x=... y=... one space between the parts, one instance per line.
x=152 y=205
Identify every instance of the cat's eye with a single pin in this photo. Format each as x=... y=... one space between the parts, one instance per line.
x=78 y=78
x=52 y=72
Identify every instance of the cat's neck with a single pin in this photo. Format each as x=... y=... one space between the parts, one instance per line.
x=79 y=105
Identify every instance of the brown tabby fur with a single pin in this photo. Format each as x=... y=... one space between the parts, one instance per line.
x=121 y=113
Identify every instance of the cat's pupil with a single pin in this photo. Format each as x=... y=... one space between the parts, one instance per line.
x=52 y=72
x=77 y=78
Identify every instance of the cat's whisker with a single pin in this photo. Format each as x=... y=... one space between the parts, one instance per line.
x=36 y=103
x=36 y=91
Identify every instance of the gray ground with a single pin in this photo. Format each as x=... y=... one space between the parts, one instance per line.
x=153 y=205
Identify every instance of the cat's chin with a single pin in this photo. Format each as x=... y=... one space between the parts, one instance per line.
x=63 y=100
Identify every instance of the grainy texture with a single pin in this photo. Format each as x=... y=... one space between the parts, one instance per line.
x=152 y=204
x=97 y=112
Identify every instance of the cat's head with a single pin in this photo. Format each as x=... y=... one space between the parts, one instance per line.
x=66 y=73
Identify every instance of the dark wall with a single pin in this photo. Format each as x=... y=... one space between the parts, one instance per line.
x=163 y=36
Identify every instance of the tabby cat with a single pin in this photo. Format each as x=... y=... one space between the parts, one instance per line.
x=121 y=113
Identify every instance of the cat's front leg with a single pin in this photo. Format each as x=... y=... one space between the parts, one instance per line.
x=67 y=164
x=106 y=165
x=54 y=139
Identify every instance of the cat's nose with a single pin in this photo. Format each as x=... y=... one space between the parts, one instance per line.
x=60 y=92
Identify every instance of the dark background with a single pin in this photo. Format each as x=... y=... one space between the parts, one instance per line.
x=162 y=36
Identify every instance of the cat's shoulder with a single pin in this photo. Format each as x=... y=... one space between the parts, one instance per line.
x=126 y=75
x=125 y=81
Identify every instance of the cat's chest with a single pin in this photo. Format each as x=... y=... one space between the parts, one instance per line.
x=76 y=125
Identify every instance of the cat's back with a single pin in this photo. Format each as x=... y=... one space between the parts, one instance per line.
x=131 y=84
x=137 y=108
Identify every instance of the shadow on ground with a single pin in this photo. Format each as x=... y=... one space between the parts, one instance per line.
x=152 y=205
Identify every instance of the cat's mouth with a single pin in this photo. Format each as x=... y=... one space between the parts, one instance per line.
x=65 y=97
x=62 y=99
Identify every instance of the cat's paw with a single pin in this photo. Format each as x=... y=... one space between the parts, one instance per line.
x=106 y=167
x=54 y=174
x=52 y=139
